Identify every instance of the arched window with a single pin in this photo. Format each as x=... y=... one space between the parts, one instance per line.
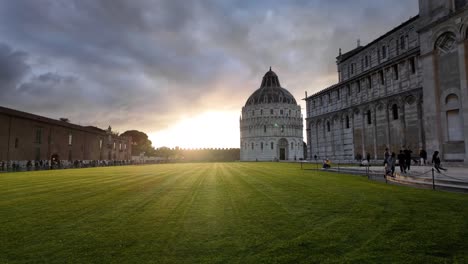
x=261 y=146
x=395 y=111
x=272 y=145
x=328 y=126
x=446 y=42
x=369 y=117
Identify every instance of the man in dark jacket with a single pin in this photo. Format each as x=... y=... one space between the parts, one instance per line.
x=407 y=152
x=402 y=161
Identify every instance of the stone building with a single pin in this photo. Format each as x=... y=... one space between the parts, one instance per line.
x=404 y=89
x=271 y=124
x=25 y=136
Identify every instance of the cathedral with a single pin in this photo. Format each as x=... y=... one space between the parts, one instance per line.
x=271 y=124
x=405 y=89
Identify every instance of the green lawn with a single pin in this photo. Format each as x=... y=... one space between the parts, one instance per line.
x=224 y=212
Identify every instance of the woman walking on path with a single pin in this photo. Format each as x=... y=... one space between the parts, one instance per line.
x=436 y=161
x=390 y=169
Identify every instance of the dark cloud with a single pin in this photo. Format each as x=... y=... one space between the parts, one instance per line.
x=141 y=64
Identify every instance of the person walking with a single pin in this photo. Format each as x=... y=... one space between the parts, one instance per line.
x=407 y=152
x=402 y=161
x=422 y=156
x=391 y=165
x=436 y=162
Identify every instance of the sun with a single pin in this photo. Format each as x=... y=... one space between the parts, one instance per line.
x=213 y=129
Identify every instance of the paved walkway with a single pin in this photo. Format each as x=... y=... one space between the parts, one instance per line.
x=452 y=174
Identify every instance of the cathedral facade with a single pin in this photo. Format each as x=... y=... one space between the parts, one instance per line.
x=404 y=89
x=271 y=124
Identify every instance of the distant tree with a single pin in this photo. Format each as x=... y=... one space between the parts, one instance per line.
x=141 y=143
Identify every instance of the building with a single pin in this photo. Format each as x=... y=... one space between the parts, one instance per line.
x=271 y=124
x=27 y=137
x=404 y=89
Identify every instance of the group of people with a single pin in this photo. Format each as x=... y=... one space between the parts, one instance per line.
x=404 y=160
x=14 y=166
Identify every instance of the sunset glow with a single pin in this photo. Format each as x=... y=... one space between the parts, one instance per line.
x=207 y=130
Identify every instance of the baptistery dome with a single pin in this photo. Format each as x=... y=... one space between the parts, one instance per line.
x=271 y=123
x=271 y=91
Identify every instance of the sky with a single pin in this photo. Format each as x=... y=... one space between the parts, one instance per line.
x=178 y=70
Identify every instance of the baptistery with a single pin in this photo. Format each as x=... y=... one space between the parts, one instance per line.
x=271 y=124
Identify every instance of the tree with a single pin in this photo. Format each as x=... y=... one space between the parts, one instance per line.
x=141 y=143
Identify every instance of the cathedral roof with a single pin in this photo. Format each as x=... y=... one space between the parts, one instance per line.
x=270 y=91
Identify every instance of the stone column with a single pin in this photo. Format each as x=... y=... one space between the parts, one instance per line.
x=363 y=131
x=402 y=122
x=387 y=120
x=374 y=127
x=462 y=53
x=431 y=105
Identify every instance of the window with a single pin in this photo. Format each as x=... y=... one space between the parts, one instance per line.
x=271 y=111
x=395 y=71
x=358 y=83
x=281 y=112
x=120 y=146
x=282 y=128
x=366 y=60
x=261 y=146
x=454 y=126
x=70 y=139
x=328 y=126
x=16 y=142
x=271 y=145
x=454 y=122
x=369 y=82
x=338 y=94
x=413 y=65
x=382 y=78
x=252 y=145
x=253 y=112
x=348 y=88
x=402 y=42
x=395 y=111
x=384 y=52
x=369 y=117
x=352 y=68
x=125 y=146
x=264 y=128
x=289 y=112
x=38 y=154
x=261 y=111
x=347 y=121
x=100 y=143
x=114 y=144
x=38 y=135
x=329 y=98
x=292 y=145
